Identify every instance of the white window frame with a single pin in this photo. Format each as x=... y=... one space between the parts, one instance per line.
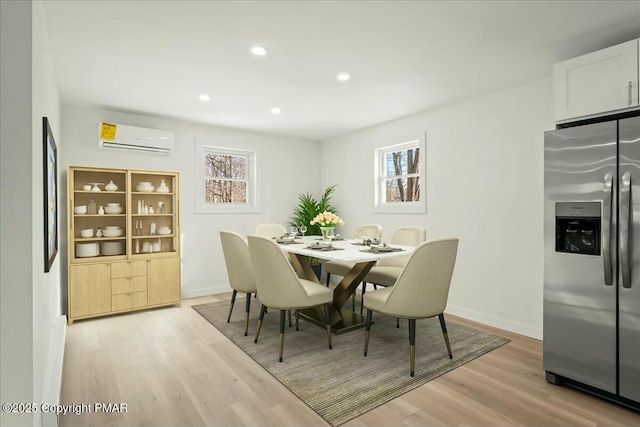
x=398 y=144
x=253 y=192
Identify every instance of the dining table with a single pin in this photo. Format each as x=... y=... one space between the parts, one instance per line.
x=363 y=257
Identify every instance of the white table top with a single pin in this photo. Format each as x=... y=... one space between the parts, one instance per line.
x=350 y=252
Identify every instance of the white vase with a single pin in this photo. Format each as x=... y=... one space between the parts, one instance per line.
x=111 y=186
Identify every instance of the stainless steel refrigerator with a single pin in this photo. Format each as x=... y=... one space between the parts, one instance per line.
x=592 y=258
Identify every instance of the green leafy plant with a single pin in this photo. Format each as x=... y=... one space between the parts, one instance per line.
x=308 y=207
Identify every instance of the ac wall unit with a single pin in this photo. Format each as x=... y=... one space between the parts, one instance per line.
x=132 y=138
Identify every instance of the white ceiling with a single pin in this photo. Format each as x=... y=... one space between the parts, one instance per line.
x=156 y=57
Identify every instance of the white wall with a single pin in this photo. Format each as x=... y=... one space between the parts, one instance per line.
x=286 y=169
x=484 y=186
x=30 y=298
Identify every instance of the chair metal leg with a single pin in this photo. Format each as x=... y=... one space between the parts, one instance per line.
x=233 y=301
x=328 y=321
x=289 y=314
x=444 y=332
x=412 y=345
x=328 y=275
x=246 y=314
x=364 y=289
x=297 y=320
x=263 y=310
x=282 y=316
x=397 y=322
x=367 y=331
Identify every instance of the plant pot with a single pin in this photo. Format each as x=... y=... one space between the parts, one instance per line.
x=317 y=269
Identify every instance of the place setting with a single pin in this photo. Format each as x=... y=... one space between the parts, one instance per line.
x=381 y=248
x=289 y=238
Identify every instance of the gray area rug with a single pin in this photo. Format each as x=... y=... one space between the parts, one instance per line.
x=341 y=384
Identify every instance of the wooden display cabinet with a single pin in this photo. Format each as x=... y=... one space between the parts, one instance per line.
x=133 y=263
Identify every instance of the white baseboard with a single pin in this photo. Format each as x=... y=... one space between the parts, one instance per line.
x=53 y=382
x=205 y=291
x=497 y=322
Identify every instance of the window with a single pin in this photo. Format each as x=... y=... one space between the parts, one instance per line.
x=400 y=177
x=227 y=180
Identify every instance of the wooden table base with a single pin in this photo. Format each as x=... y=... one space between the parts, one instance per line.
x=342 y=319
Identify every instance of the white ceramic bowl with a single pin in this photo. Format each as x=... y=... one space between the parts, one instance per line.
x=115 y=205
x=87 y=232
x=144 y=184
x=86 y=187
x=111 y=233
x=162 y=189
x=80 y=210
x=145 y=189
x=166 y=231
x=111 y=248
x=113 y=209
x=84 y=250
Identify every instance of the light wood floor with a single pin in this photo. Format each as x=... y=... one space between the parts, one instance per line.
x=172 y=368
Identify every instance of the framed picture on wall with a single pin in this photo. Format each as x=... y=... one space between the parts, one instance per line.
x=50 y=174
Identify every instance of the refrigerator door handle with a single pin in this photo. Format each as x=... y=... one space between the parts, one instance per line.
x=625 y=205
x=606 y=229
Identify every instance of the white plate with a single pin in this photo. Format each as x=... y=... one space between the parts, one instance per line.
x=162 y=190
x=112 y=233
x=84 y=250
x=145 y=189
x=113 y=210
x=111 y=248
x=162 y=232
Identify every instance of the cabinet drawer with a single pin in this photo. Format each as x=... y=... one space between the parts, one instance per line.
x=127 y=285
x=128 y=301
x=128 y=269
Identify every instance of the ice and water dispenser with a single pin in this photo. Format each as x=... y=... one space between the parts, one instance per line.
x=578 y=227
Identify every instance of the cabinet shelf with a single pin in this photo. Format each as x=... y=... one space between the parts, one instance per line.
x=154 y=214
x=99 y=192
x=98 y=239
x=106 y=215
x=151 y=193
x=154 y=236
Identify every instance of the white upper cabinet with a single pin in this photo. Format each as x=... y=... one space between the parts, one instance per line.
x=596 y=83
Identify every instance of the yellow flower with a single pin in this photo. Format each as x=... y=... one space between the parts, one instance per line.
x=327 y=219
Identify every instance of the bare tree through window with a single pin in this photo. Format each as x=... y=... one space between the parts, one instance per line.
x=226 y=178
x=402 y=175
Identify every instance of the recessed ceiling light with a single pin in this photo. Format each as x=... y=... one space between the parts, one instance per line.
x=204 y=97
x=258 y=51
x=275 y=110
x=343 y=77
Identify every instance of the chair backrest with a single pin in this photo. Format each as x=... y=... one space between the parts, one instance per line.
x=406 y=236
x=238 y=261
x=409 y=236
x=423 y=286
x=277 y=282
x=270 y=230
x=369 y=230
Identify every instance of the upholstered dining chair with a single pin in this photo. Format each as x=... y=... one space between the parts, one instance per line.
x=239 y=270
x=420 y=292
x=386 y=271
x=269 y=230
x=279 y=287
